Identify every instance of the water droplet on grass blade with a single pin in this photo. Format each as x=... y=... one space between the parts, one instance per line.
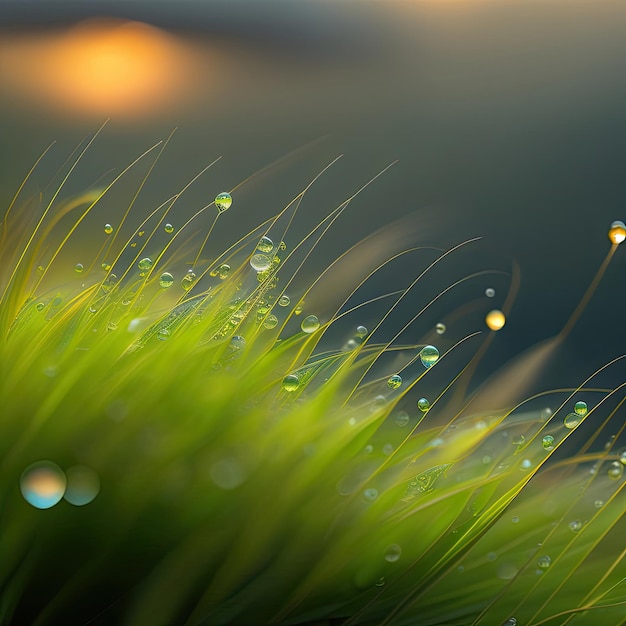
x=393 y=553
x=581 y=408
x=401 y=418
x=617 y=232
x=495 y=320
x=291 y=382
x=548 y=443
x=572 y=420
x=145 y=264
x=163 y=334
x=615 y=471
x=188 y=280
x=440 y=328
x=490 y=292
x=423 y=405
x=108 y=229
x=361 y=331
x=310 y=324
x=166 y=280
x=395 y=381
x=544 y=562
x=265 y=245
x=260 y=262
x=284 y=300
x=223 y=201
x=429 y=355
x=168 y=228
x=78 y=268
x=270 y=321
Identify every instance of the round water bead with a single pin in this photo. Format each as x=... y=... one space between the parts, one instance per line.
x=222 y=270
x=163 y=334
x=223 y=201
x=260 y=262
x=105 y=266
x=284 y=300
x=581 y=408
x=111 y=326
x=145 y=264
x=572 y=420
x=548 y=443
x=401 y=418
x=298 y=310
x=495 y=319
x=168 y=228
x=83 y=485
x=615 y=471
x=188 y=280
x=423 y=405
x=575 y=525
x=394 y=381
x=78 y=268
x=43 y=484
x=361 y=331
x=40 y=306
x=490 y=292
x=265 y=245
x=393 y=553
x=617 y=232
x=370 y=494
x=270 y=321
x=511 y=621
x=544 y=562
x=440 y=328
x=166 y=280
x=237 y=342
x=291 y=382
x=622 y=456
x=429 y=355
x=108 y=229
x=310 y=324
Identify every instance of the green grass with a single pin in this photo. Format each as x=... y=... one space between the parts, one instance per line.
x=253 y=473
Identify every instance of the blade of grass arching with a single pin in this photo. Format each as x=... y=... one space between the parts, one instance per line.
x=17 y=194
x=406 y=291
x=85 y=213
x=140 y=187
x=10 y=308
x=583 y=609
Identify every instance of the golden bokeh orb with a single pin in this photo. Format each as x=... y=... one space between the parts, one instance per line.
x=617 y=232
x=495 y=319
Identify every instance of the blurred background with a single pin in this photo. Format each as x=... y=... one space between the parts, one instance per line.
x=507 y=119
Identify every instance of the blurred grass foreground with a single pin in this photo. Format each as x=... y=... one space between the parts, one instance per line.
x=196 y=432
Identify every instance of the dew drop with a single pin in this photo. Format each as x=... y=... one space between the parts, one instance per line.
x=511 y=621
x=598 y=504
x=168 y=228
x=526 y=464
x=284 y=300
x=581 y=408
x=40 y=306
x=43 y=484
x=575 y=525
x=310 y=324
x=401 y=418
x=617 y=232
x=223 y=201
x=544 y=562
x=111 y=326
x=83 y=485
x=291 y=382
x=370 y=494
x=423 y=405
x=298 y=309
x=260 y=262
x=166 y=280
x=78 y=268
x=440 y=328
x=222 y=271
x=622 y=456
x=188 y=280
x=546 y=413
x=270 y=321
x=515 y=519
x=145 y=264
x=548 y=443
x=387 y=449
x=163 y=334
x=381 y=582
x=108 y=229
x=394 y=381
x=265 y=245
x=393 y=553
x=572 y=420
x=490 y=292
x=429 y=355
x=495 y=319
x=361 y=331
x=237 y=342
x=105 y=266
x=615 y=471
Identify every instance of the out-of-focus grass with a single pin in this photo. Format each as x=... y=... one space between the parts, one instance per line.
x=249 y=472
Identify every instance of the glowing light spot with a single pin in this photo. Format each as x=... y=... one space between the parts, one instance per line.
x=83 y=485
x=495 y=319
x=617 y=232
x=43 y=484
